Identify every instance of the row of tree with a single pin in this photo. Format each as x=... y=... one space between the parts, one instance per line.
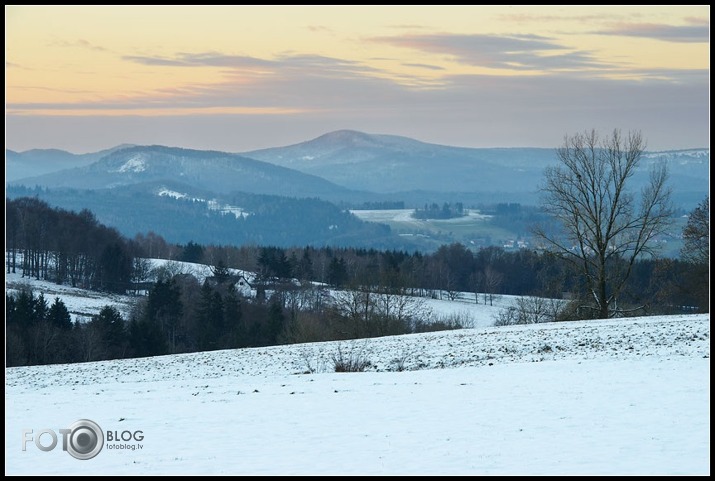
x=70 y=248
x=181 y=315
x=434 y=211
x=65 y=247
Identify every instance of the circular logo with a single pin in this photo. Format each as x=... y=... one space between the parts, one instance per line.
x=85 y=440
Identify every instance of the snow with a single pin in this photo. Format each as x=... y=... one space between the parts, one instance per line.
x=693 y=153
x=237 y=212
x=134 y=164
x=212 y=204
x=82 y=304
x=171 y=193
x=405 y=216
x=616 y=397
x=592 y=397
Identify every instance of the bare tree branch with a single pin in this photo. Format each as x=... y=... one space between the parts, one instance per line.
x=605 y=228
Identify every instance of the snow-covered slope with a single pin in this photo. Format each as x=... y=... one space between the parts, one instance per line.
x=83 y=304
x=593 y=397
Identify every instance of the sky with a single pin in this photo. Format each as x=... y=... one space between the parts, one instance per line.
x=238 y=78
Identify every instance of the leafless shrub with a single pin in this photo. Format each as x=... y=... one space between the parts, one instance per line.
x=353 y=360
x=445 y=322
x=311 y=362
x=399 y=363
x=530 y=310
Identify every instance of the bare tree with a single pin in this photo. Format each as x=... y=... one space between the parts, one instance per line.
x=605 y=229
x=530 y=310
x=696 y=252
x=141 y=272
x=491 y=280
x=696 y=235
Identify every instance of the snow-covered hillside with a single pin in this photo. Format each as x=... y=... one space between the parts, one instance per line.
x=593 y=397
x=83 y=304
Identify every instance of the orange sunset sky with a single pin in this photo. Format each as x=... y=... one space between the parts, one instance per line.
x=240 y=78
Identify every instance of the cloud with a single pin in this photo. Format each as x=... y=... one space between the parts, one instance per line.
x=79 y=43
x=320 y=29
x=512 y=52
x=240 y=63
x=535 y=18
x=530 y=110
x=498 y=109
x=292 y=82
x=408 y=27
x=697 y=21
x=423 y=65
x=203 y=59
x=322 y=84
x=699 y=33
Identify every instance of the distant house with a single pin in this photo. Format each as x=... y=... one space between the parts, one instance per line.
x=243 y=286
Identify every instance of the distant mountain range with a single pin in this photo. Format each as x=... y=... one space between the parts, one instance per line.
x=301 y=194
x=31 y=163
x=218 y=172
x=342 y=165
x=389 y=164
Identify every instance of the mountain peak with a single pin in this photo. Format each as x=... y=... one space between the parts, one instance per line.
x=345 y=137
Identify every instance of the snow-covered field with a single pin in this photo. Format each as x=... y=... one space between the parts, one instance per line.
x=82 y=304
x=405 y=216
x=591 y=397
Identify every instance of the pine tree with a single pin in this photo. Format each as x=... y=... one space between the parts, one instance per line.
x=59 y=316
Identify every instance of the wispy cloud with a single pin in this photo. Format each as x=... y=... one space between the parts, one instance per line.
x=304 y=88
x=285 y=62
x=498 y=110
x=697 y=21
x=204 y=59
x=535 y=18
x=52 y=89
x=320 y=29
x=513 y=52
x=408 y=27
x=666 y=33
x=79 y=43
x=287 y=83
x=424 y=65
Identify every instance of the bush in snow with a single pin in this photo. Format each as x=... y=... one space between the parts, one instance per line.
x=350 y=361
x=530 y=310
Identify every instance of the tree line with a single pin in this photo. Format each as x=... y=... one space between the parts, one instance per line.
x=74 y=249
x=379 y=291
x=434 y=211
x=65 y=247
x=181 y=315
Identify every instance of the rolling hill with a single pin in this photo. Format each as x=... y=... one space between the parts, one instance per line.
x=218 y=172
x=390 y=164
x=32 y=163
